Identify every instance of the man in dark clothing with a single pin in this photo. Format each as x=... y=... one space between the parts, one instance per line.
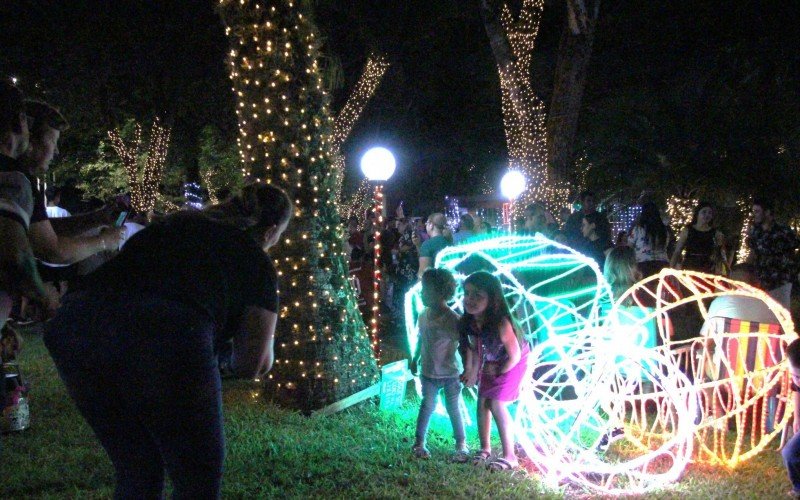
x=18 y=272
x=774 y=252
x=572 y=227
x=58 y=241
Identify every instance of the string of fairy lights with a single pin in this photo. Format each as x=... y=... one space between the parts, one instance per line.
x=143 y=182
x=524 y=113
x=343 y=125
x=680 y=211
x=285 y=137
x=208 y=182
x=356 y=205
x=744 y=251
x=377 y=276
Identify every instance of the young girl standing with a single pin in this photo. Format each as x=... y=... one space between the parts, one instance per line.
x=499 y=352
x=438 y=359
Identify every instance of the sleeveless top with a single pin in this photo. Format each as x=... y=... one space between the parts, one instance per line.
x=491 y=347
x=699 y=250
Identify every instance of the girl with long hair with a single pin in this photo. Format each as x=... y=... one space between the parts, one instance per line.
x=650 y=238
x=704 y=244
x=621 y=271
x=499 y=353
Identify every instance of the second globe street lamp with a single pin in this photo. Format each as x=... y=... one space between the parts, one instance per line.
x=511 y=186
x=377 y=165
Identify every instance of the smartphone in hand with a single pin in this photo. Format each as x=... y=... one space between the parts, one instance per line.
x=121 y=219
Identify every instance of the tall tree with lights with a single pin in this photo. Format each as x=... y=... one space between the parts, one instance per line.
x=343 y=124
x=512 y=39
x=323 y=352
x=143 y=179
x=574 y=53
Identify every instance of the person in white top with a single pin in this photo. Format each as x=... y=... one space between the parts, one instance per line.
x=438 y=360
x=650 y=238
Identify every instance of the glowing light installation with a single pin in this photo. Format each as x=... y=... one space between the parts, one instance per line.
x=285 y=130
x=533 y=271
x=680 y=212
x=143 y=181
x=737 y=374
x=597 y=369
x=523 y=112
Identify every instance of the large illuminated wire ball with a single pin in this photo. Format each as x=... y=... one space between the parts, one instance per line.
x=737 y=366
x=512 y=184
x=378 y=164
x=579 y=399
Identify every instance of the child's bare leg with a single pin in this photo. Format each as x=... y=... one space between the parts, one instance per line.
x=484 y=424
x=505 y=427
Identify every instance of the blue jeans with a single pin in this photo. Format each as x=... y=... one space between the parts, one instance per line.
x=143 y=373
x=452 y=396
x=791 y=459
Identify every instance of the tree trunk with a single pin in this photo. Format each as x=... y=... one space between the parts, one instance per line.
x=574 y=52
x=512 y=39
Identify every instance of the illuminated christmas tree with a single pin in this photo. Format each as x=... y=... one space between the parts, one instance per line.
x=322 y=351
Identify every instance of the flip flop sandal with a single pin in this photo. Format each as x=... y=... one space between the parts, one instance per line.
x=501 y=464
x=481 y=457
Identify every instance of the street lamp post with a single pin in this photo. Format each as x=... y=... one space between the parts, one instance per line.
x=511 y=186
x=378 y=165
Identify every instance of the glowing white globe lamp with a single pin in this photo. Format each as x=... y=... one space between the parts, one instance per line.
x=512 y=184
x=378 y=164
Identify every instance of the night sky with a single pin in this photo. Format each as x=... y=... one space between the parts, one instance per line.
x=697 y=83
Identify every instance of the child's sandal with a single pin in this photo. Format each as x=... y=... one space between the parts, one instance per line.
x=501 y=464
x=481 y=457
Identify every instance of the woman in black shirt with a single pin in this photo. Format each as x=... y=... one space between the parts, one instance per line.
x=136 y=342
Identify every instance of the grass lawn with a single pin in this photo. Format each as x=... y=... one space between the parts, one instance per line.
x=357 y=453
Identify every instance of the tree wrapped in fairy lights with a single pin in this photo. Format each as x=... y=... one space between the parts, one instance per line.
x=364 y=90
x=512 y=39
x=323 y=352
x=143 y=178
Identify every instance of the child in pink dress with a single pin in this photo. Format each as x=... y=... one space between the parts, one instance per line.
x=498 y=354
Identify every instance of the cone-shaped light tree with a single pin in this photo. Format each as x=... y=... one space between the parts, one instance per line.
x=323 y=352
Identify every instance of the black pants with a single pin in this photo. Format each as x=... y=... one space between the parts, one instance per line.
x=142 y=372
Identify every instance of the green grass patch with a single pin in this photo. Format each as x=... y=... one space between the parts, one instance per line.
x=274 y=453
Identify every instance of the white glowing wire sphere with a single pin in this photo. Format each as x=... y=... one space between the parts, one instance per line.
x=378 y=164
x=512 y=184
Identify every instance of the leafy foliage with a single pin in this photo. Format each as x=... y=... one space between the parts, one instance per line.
x=105 y=177
x=218 y=162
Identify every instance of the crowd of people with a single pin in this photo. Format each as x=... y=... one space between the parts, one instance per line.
x=410 y=246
